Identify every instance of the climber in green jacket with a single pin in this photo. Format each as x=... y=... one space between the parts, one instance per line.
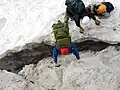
x=63 y=41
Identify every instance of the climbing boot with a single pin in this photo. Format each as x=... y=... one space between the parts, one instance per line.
x=57 y=65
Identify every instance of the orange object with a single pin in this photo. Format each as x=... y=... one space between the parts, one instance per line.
x=102 y=8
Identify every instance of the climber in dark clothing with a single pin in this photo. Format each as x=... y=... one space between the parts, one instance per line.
x=78 y=17
x=63 y=44
x=76 y=10
x=101 y=10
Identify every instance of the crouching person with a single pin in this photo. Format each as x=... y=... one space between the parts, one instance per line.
x=102 y=10
x=63 y=44
x=77 y=11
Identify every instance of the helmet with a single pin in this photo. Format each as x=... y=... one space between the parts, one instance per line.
x=85 y=20
x=64 y=51
x=102 y=8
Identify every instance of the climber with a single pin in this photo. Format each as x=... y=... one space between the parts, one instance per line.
x=102 y=10
x=63 y=44
x=76 y=11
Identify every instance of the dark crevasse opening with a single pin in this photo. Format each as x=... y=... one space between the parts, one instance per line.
x=34 y=52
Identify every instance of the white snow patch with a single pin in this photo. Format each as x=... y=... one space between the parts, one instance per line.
x=26 y=21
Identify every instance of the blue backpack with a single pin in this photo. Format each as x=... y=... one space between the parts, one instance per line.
x=110 y=6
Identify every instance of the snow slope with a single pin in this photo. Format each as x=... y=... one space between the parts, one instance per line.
x=11 y=81
x=100 y=71
x=24 y=21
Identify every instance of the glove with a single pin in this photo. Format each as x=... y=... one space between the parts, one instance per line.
x=97 y=22
x=81 y=30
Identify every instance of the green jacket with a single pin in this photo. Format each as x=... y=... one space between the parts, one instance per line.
x=61 y=33
x=77 y=6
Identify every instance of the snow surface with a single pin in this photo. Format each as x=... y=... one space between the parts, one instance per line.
x=25 y=21
x=10 y=81
x=100 y=71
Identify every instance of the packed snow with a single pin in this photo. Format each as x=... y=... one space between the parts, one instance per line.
x=25 y=21
x=98 y=71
